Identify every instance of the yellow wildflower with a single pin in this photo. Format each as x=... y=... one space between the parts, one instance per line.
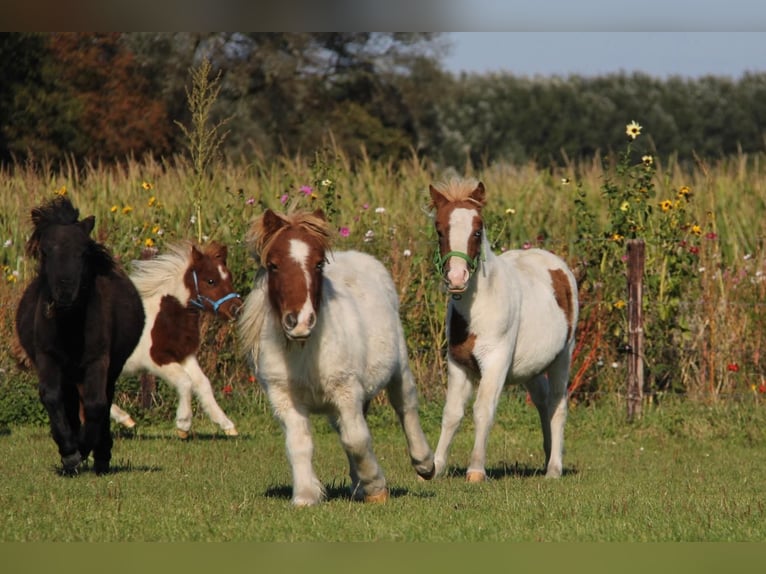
x=617 y=237
x=696 y=229
x=565 y=181
x=625 y=206
x=155 y=229
x=146 y=185
x=113 y=209
x=619 y=304
x=685 y=191
x=648 y=160
x=666 y=205
x=149 y=242
x=127 y=209
x=510 y=211
x=152 y=201
x=633 y=130
x=61 y=191
x=326 y=182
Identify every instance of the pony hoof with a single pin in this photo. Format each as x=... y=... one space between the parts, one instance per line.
x=182 y=434
x=379 y=498
x=70 y=463
x=129 y=423
x=475 y=476
x=427 y=475
x=231 y=432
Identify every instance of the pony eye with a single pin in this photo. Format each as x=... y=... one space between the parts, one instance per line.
x=320 y=266
x=477 y=234
x=272 y=267
x=211 y=281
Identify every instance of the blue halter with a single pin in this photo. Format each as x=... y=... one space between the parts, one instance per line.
x=200 y=300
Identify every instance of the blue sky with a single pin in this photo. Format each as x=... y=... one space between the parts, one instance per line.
x=689 y=54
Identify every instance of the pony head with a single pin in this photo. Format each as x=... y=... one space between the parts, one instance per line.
x=67 y=255
x=459 y=226
x=209 y=280
x=292 y=248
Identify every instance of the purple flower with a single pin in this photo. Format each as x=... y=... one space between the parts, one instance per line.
x=527 y=245
x=344 y=232
x=250 y=201
x=366 y=206
x=283 y=199
x=306 y=190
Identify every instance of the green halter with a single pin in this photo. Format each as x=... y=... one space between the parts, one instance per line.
x=440 y=261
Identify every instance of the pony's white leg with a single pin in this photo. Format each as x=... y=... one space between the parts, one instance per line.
x=403 y=396
x=357 y=442
x=204 y=392
x=120 y=416
x=484 y=407
x=307 y=490
x=458 y=392
x=175 y=374
x=558 y=380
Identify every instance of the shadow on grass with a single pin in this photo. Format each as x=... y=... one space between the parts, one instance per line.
x=87 y=468
x=340 y=492
x=132 y=434
x=506 y=469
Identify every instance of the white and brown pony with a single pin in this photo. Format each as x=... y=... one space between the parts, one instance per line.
x=176 y=287
x=510 y=319
x=323 y=335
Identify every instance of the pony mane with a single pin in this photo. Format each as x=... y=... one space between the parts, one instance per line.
x=56 y=211
x=457 y=189
x=61 y=211
x=260 y=240
x=152 y=276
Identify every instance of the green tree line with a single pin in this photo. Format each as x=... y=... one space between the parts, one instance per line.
x=104 y=97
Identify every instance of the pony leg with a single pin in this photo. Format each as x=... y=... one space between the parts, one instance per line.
x=558 y=379
x=357 y=442
x=175 y=374
x=403 y=396
x=54 y=399
x=120 y=416
x=95 y=434
x=458 y=392
x=203 y=390
x=538 y=389
x=484 y=407
x=307 y=490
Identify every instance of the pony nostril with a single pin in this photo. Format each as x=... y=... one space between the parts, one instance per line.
x=312 y=320
x=290 y=320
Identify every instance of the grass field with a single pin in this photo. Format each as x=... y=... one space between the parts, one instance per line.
x=685 y=472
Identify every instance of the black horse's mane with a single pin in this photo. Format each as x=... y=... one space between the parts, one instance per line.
x=60 y=211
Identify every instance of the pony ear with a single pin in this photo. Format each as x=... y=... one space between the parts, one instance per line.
x=437 y=199
x=222 y=253
x=87 y=224
x=319 y=214
x=271 y=222
x=196 y=254
x=479 y=195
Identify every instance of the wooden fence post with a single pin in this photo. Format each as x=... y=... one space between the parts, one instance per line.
x=635 y=328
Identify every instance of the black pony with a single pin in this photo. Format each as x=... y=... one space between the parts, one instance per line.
x=78 y=321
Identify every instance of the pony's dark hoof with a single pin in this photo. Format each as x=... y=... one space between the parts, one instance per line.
x=429 y=474
x=70 y=464
x=101 y=467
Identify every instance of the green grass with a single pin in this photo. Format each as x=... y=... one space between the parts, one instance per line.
x=685 y=472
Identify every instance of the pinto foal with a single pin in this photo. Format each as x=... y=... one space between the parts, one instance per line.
x=510 y=319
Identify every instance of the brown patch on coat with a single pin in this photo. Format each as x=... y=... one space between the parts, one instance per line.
x=562 y=291
x=175 y=333
x=461 y=342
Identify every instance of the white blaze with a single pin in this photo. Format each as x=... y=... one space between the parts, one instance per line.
x=299 y=251
x=460 y=230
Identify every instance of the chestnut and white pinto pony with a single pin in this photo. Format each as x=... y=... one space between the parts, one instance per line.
x=323 y=335
x=510 y=319
x=176 y=287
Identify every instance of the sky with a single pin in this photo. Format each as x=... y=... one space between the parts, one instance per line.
x=660 y=54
